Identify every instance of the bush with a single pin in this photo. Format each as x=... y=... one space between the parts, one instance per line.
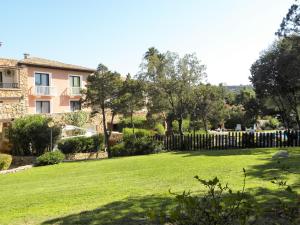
x=138 y=121
x=50 y=158
x=31 y=135
x=136 y=146
x=137 y=132
x=79 y=118
x=81 y=144
x=118 y=150
x=5 y=161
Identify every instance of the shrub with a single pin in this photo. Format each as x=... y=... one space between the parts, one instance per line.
x=159 y=129
x=137 y=132
x=31 y=135
x=50 y=158
x=118 y=150
x=138 y=121
x=81 y=144
x=136 y=146
x=5 y=161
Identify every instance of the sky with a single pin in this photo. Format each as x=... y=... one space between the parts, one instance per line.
x=226 y=35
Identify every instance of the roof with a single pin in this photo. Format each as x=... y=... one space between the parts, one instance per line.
x=8 y=62
x=35 y=61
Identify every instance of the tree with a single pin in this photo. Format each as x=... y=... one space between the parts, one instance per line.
x=208 y=105
x=244 y=96
x=291 y=22
x=132 y=98
x=275 y=77
x=103 y=95
x=170 y=81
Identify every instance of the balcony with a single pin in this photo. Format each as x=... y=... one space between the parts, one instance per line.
x=45 y=91
x=75 y=91
x=9 y=85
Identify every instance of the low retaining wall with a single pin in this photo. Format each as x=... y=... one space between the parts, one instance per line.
x=84 y=156
x=22 y=161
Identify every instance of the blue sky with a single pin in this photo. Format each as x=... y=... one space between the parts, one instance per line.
x=227 y=35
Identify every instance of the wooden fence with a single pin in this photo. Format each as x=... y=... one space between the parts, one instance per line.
x=231 y=140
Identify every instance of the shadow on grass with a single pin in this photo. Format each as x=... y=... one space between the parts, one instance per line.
x=277 y=167
x=227 y=152
x=131 y=211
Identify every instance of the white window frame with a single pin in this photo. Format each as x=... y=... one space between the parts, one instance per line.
x=50 y=77
x=75 y=75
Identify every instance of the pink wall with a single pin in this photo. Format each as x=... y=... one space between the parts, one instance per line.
x=60 y=80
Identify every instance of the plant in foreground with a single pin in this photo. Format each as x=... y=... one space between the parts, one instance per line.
x=220 y=205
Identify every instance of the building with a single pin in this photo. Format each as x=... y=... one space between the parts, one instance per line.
x=35 y=85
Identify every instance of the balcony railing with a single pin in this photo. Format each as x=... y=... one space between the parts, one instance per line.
x=75 y=91
x=9 y=85
x=45 y=90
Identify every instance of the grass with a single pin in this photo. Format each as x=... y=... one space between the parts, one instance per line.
x=121 y=190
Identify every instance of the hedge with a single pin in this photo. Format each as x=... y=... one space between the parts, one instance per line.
x=81 y=144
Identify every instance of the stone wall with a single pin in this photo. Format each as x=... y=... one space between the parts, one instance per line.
x=13 y=101
x=85 y=156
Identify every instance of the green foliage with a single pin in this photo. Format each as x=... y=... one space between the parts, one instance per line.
x=132 y=97
x=208 y=105
x=104 y=93
x=159 y=129
x=290 y=23
x=81 y=144
x=185 y=126
x=244 y=96
x=31 y=135
x=275 y=77
x=79 y=118
x=170 y=81
x=236 y=116
x=273 y=123
x=136 y=146
x=137 y=132
x=50 y=158
x=138 y=121
x=5 y=161
x=221 y=205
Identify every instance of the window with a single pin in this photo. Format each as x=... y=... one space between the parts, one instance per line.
x=42 y=79
x=75 y=105
x=1 y=77
x=75 y=81
x=42 y=106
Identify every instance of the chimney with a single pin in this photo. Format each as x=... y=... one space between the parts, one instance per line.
x=26 y=55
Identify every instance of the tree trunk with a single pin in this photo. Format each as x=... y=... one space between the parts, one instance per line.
x=132 y=123
x=169 y=126
x=106 y=135
x=180 y=120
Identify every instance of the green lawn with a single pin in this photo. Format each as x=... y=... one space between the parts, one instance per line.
x=121 y=190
